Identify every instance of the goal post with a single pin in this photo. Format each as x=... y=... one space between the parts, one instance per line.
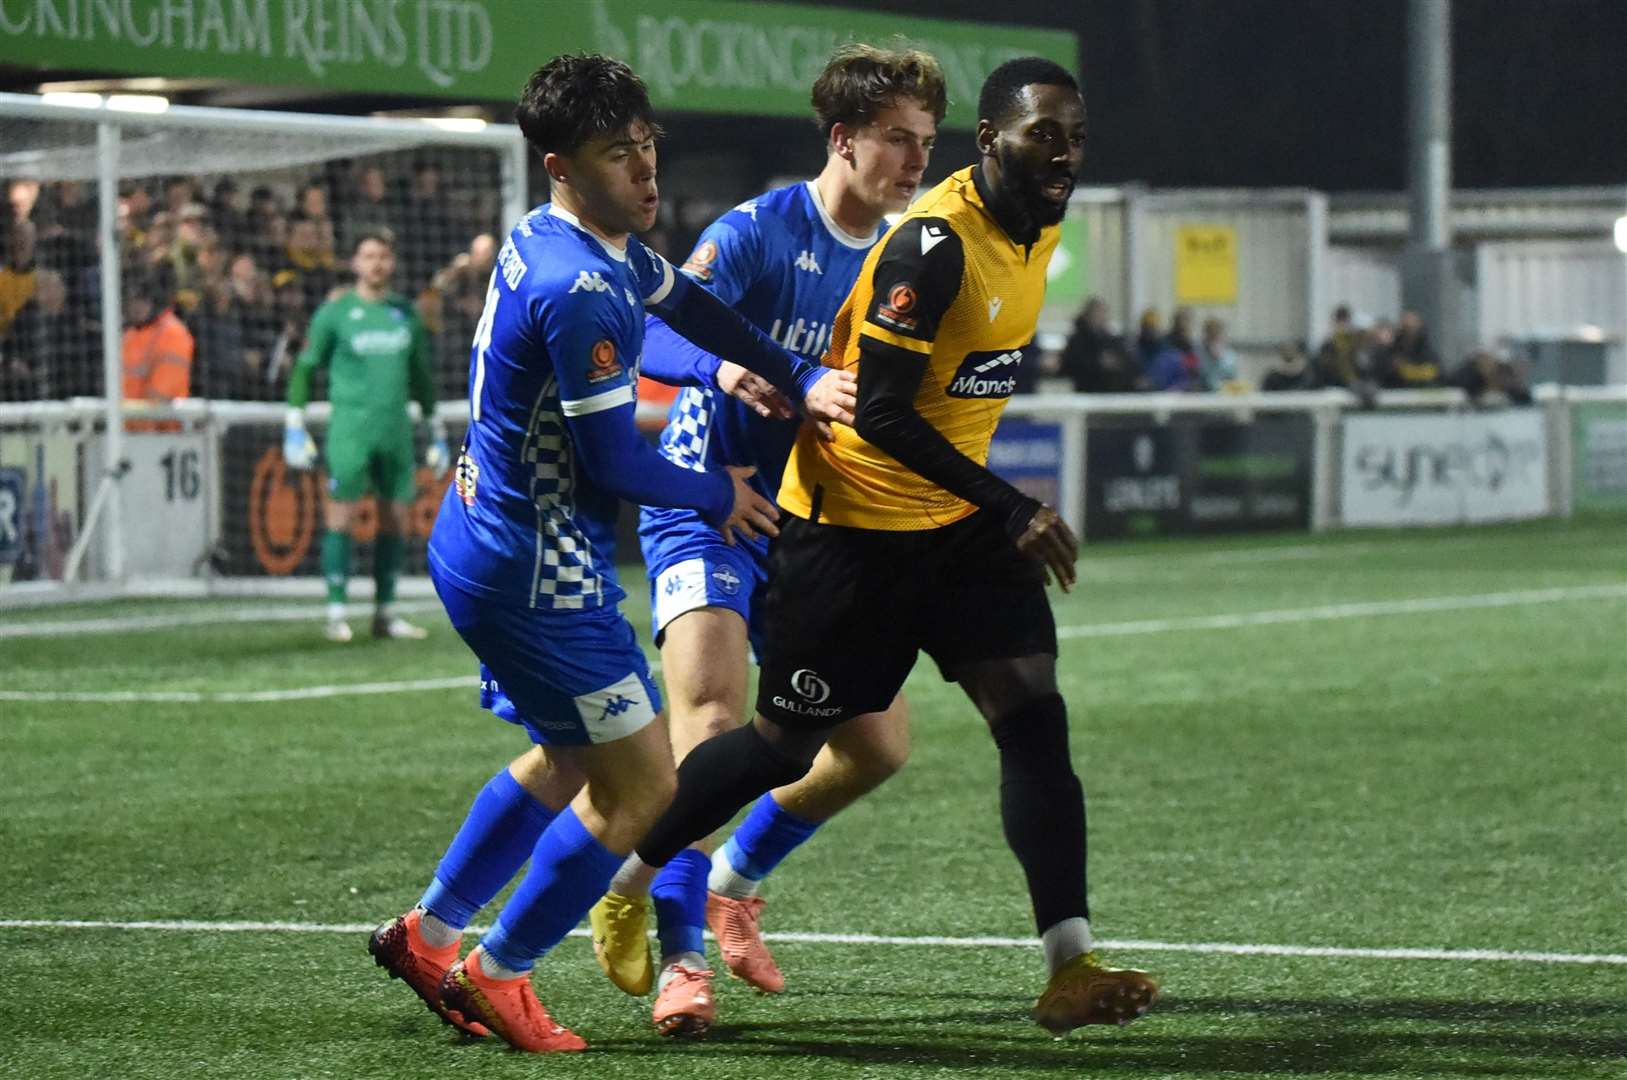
x=239 y=223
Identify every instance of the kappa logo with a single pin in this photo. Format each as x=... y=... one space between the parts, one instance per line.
x=618 y=704
x=994 y=308
x=749 y=207
x=932 y=236
x=589 y=281
x=806 y=261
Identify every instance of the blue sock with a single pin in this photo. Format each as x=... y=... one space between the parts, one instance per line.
x=496 y=838
x=570 y=870
x=679 y=895
x=765 y=838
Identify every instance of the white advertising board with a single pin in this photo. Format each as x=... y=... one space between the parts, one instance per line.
x=1441 y=469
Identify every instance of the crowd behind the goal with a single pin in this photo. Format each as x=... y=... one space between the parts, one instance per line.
x=230 y=271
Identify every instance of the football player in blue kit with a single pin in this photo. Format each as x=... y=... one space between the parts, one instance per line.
x=522 y=550
x=785 y=260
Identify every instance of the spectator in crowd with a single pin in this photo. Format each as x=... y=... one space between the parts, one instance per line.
x=192 y=235
x=1217 y=361
x=59 y=349
x=451 y=306
x=17 y=271
x=1410 y=363
x=219 y=370
x=21 y=197
x=268 y=228
x=1491 y=380
x=1175 y=365
x=179 y=193
x=308 y=262
x=430 y=236
x=158 y=348
x=1342 y=358
x=367 y=205
x=1289 y=370
x=229 y=215
x=1094 y=359
x=1149 y=340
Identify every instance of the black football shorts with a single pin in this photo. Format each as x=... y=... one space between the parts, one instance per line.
x=847 y=610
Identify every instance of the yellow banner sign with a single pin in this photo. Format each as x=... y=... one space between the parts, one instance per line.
x=1205 y=264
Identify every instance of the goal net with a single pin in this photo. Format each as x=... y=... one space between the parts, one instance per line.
x=129 y=239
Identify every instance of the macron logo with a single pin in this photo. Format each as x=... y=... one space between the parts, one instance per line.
x=806 y=261
x=590 y=281
x=994 y=308
x=932 y=236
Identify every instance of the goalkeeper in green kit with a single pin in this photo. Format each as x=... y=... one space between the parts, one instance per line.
x=377 y=354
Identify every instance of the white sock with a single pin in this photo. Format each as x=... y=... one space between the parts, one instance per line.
x=492 y=969
x=694 y=961
x=725 y=880
x=336 y=613
x=634 y=877
x=436 y=931
x=1064 y=941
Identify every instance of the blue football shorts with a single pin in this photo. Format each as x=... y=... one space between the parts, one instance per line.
x=570 y=678
x=690 y=567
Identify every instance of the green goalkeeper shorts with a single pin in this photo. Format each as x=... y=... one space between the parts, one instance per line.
x=360 y=467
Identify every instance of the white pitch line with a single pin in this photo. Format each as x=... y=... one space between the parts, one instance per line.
x=114 y=624
x=190 y=697
x=1325 y=613
x=1229 y=948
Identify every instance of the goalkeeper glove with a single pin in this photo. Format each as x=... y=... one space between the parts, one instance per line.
x=437 y=456
x=298 y=448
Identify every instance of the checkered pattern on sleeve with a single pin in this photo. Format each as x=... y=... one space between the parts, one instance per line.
x=689 y=426
x=566 y=577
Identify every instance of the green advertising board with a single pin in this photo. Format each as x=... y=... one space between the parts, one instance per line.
x=725 y=56
x=1599 y=455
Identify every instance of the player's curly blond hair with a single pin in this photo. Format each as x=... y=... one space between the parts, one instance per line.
x=860 y=80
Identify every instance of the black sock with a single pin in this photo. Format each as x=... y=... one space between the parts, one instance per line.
x=718 y=777
x=1042 y=807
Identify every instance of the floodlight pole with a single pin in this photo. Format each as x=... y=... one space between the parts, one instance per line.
x=1428 y=281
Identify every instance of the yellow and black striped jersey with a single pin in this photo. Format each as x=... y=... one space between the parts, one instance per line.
x=949 y=283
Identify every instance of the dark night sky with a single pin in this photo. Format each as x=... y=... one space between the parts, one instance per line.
x=1313 y=92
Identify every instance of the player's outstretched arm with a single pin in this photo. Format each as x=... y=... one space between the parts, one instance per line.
x=620 y=460
x=298 y=448
x=694 y=313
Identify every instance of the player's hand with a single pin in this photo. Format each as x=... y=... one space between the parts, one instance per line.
x=298 y=448
x=751 y=515
x=757 y=392
x=833 y=398
x=1049 y=540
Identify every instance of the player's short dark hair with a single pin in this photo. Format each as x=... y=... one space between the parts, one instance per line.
x=860 y=80
x=573 y=98
x=382 y=233
x=1002 y=90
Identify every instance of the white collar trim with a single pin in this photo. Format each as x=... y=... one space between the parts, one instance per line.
x=841 y=235
x=619 y=254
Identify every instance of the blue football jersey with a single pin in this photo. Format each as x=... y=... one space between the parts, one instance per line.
x=782 y=263
x=561 y=336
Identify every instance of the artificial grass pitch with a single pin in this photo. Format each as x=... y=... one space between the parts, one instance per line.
x=1387 y=778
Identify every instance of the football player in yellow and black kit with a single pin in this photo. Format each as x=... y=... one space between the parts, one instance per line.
x=897 y=539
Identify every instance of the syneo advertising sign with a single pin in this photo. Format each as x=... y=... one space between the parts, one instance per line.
x=696 y=55
x=1599 y=446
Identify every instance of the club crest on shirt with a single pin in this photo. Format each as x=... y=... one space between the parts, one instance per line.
x=895 y=310
x=699 y=264
x=604 y=362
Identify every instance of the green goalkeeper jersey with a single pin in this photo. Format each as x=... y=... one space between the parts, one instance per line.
x=377 y=356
